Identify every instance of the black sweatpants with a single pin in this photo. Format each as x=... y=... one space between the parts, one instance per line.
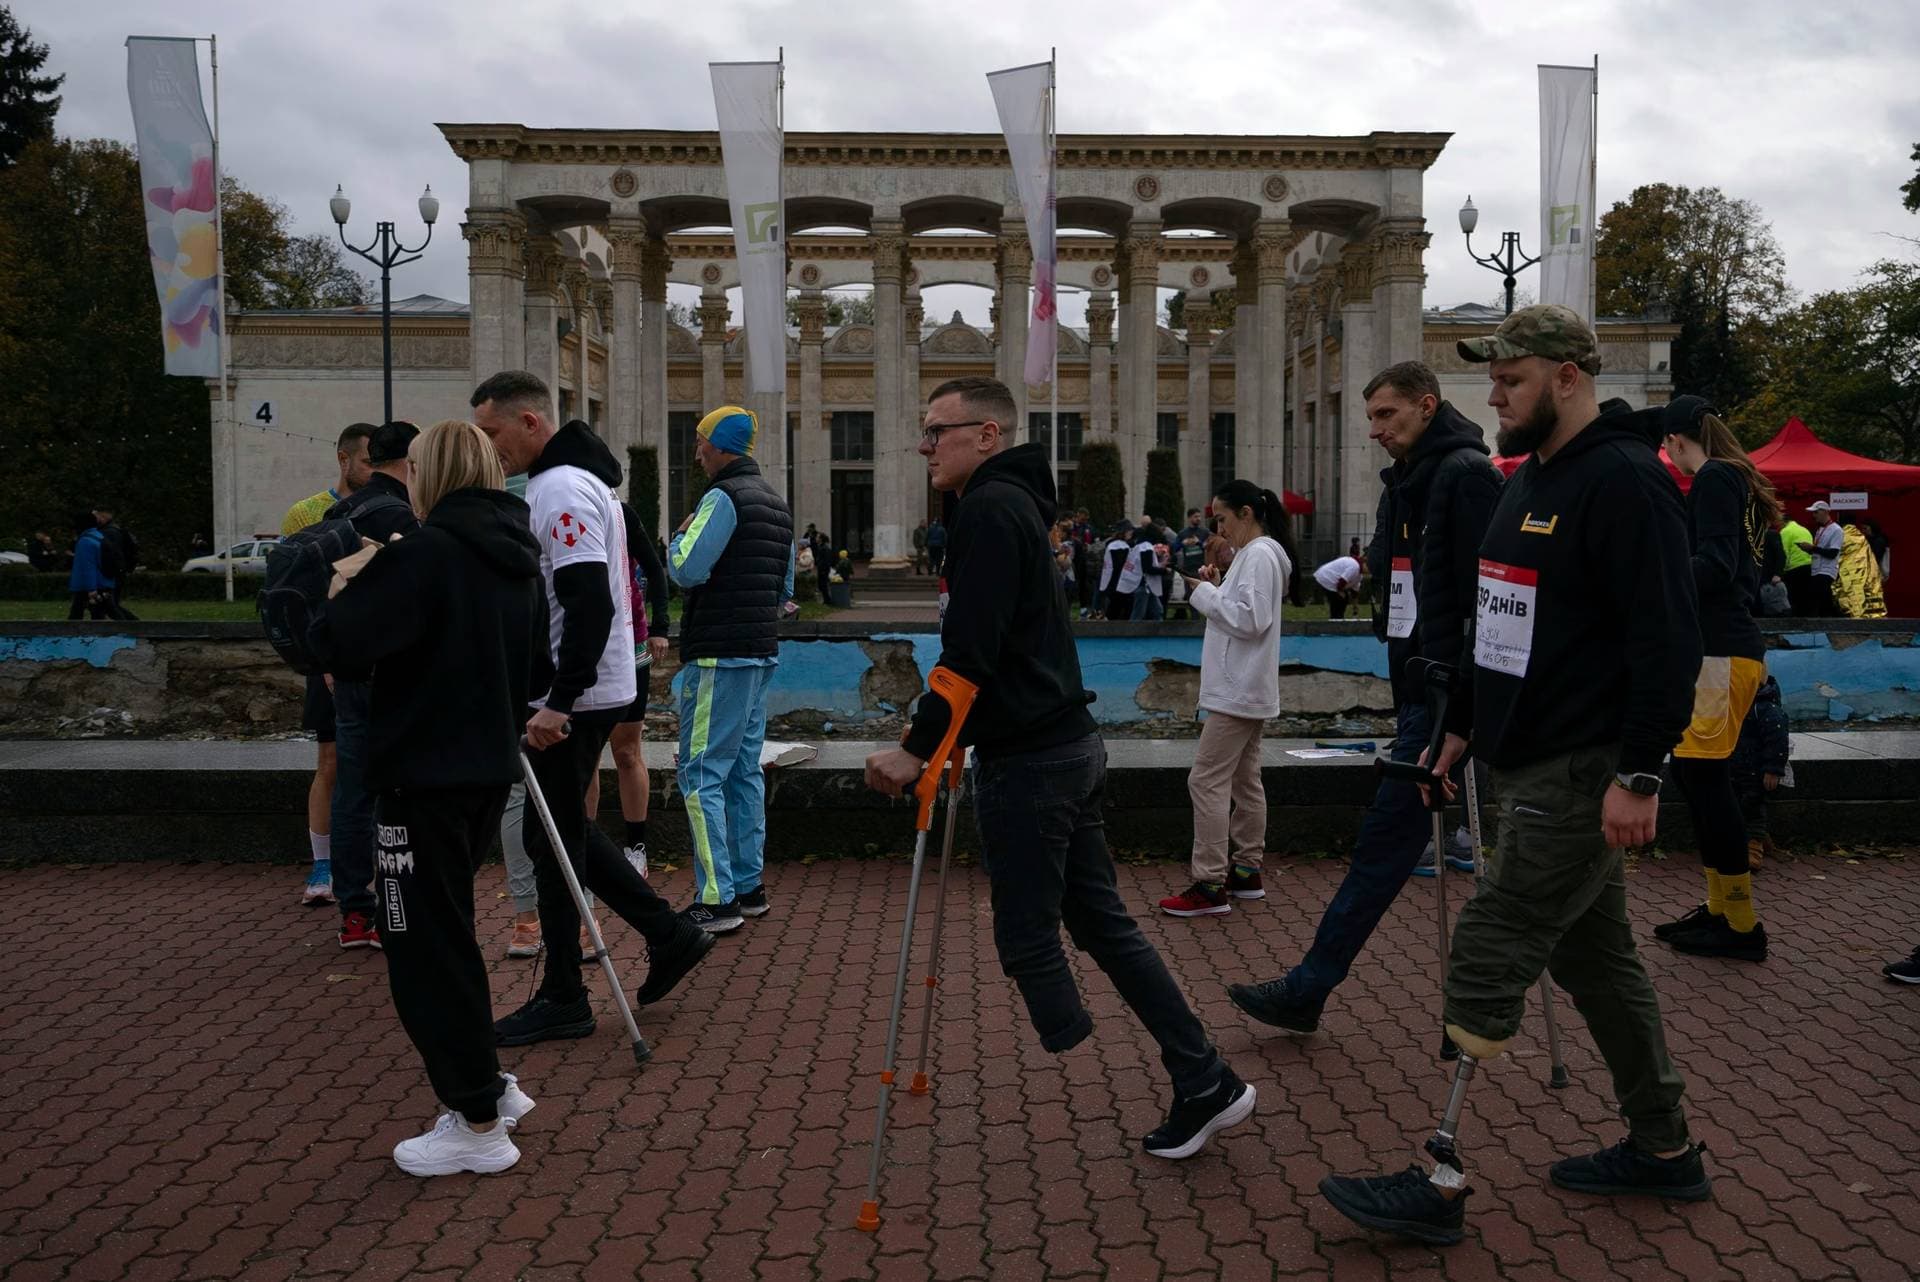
x=1720 y=829
x=429 y=841
x=563 y=772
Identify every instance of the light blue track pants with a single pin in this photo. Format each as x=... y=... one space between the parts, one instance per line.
x=723 y=722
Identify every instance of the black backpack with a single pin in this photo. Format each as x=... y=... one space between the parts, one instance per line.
x=299 y=572
x=112 y=561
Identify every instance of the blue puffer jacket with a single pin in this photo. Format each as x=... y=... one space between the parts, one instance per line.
x=86 y=575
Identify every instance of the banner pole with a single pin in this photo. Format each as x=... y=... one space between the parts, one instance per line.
x=1057 y=447
x=226 y=382
x=1593 y=199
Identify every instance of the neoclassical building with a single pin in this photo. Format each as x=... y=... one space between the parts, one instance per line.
x=1299 y=261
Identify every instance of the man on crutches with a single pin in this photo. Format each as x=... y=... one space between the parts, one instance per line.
x=1039 y=770
x=1585 y=652
x=1438 y=495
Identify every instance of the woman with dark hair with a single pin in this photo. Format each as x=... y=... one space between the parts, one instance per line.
x=1731 y=509
x=1239 y=691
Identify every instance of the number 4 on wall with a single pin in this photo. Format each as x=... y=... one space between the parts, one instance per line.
x=262 y=414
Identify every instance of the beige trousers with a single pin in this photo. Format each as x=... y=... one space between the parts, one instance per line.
x=1226 y=768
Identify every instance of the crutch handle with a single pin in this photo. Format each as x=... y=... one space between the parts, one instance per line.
x=959 y=694
x=565 y=730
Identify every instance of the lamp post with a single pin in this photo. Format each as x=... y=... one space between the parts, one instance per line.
x=386 y=252
x=1508 y=260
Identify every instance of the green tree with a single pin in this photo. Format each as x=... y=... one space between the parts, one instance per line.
x=312 y=271
x=643 y=484
x=1165 y=500
x=1848 y=363
x=1911 y=188
x=27 y=100
x=1100 y=485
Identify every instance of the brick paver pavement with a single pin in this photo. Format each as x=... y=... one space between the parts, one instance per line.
x=198 y=1084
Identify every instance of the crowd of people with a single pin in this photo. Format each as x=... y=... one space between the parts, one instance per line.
x=1584 y=621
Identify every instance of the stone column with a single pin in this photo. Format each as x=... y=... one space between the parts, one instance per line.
x=1247 y=349
x=1399 y=277
x=654 y=263
x=573 y=353
x=600 y=300
x=1300 y=465
x=1195 y=456
x=891 y=445
x=1122 y=308
x=1139 y=356
x=1360 y=459
x=1272 y=242
x=495 y=266
x=1099 y=366
x=812 y=499
x=542 y=284
x=625 y=236
x=1326 y=470
x=1016 y=307
x=713 y=351
x=912 y=404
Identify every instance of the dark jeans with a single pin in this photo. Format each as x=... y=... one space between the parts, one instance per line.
x=95 y=605
x=1800 y=598
x=1393 y=832
x=431 y=841
x=1820 y=593
x=1719 y=826
x=352 y=802
x=563 y=772
x=1337 y=603
x=1044 y=844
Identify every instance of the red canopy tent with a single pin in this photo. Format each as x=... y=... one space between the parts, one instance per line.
x=1803 y=468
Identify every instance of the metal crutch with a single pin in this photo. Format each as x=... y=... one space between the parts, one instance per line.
x=959 y=694
x=641 y=1052
x=956 y=791
x=1557 y=1078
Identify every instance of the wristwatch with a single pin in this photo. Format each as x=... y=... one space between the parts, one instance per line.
x=1640 y=785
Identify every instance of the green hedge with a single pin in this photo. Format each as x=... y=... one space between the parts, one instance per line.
x=170 y=585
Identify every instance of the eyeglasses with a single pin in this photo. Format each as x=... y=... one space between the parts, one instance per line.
x=931 y=436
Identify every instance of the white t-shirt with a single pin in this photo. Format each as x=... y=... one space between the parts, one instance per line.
x=1339 y=572
x=1830 y=538
x=576 y=518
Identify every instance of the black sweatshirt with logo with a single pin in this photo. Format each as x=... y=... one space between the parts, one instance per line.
x=1587 y=630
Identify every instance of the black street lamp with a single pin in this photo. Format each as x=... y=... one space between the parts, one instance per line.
x=1508 y=261
x=390 y=254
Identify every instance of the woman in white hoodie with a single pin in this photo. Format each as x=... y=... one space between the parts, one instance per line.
x=1239 y=691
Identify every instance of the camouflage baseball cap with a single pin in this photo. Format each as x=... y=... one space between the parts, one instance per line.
x=1545 y=329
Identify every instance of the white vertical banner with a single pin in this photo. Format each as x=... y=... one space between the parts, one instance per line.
x=179 y=185
x=1022 y=96
x=1566 y=186
x=746 y=99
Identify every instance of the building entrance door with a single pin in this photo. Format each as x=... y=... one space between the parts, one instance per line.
x=853 y=512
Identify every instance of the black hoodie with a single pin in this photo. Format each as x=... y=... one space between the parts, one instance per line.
x=454 y=620
x=1432 y=515
x=1588 y=625
x=1005 y=627
x=587 y=608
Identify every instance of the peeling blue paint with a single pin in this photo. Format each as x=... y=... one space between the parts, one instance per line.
x=96 y=652
x=1868 y=681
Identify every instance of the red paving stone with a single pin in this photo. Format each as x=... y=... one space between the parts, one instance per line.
x=201 y=1085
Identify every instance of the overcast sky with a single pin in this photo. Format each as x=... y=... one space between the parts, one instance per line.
x=1809 y=110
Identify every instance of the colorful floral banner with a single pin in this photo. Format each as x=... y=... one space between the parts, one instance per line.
x=179 y=184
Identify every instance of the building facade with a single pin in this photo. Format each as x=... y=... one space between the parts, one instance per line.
x=1299 y=261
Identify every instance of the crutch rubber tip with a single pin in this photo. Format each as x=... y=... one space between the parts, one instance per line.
x=1559 y=1079
x=642 y=1052
x=868 y=1221
x=919 y=1086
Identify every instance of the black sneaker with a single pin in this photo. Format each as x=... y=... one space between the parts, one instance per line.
x=1271 y=1003
x=1197 y=1118
x=669 y=965
x=1408 y=1204
x=1717 y=938
x=1904 y=972
x=715 y=919
x=1625 y=1169
x=544 y=1020
x=753 y=903
x=1683 y=924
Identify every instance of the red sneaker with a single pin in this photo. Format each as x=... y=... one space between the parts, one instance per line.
x=1197 y=900
x=357 y=932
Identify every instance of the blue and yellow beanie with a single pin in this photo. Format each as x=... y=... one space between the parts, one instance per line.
x=730 y=428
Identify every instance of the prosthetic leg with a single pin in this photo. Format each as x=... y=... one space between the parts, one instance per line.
x=959 y=694
x=1558 y=1077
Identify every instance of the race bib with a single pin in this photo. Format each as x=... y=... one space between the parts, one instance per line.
x=1503 y=628
x=1403 y=608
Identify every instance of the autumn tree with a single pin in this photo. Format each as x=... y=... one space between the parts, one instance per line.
x=27 y=99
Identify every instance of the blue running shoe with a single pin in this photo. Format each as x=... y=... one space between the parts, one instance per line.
x=319 y=887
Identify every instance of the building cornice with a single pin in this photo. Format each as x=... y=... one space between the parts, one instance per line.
x=523 y=145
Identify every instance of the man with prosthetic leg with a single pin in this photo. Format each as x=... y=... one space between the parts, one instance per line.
x=1578 y=683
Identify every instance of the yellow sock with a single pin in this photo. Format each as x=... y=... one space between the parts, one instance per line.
x=1716 y=894
x=1738 y=892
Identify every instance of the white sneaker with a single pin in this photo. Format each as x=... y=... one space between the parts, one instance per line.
x=637 y=856
x=514 y=1102
x=453 y=1146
